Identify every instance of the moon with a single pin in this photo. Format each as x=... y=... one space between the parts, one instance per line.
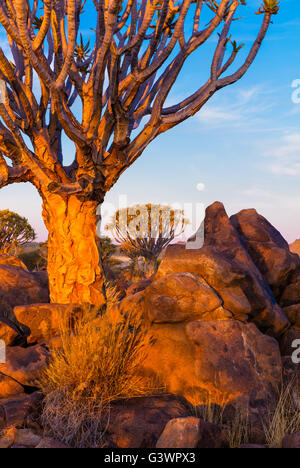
x=200 y=187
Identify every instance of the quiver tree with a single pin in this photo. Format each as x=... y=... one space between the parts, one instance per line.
x=145 y=231
x=108 y=97
x=15 y=231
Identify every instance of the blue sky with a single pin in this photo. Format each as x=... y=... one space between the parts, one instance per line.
x=243 y=146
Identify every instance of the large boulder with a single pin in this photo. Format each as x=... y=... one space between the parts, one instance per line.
x=268 y=249
x=139 y=422
x=42 y=322
x=223 y=362
x=192 y=432
x=181 y=297
x=21 y=369
x=224 y=263
x=18 y=287
x=14 y=411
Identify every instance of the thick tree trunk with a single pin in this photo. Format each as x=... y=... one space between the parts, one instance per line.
x=74 y=267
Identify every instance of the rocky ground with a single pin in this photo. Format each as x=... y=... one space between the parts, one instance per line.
x=224 y=320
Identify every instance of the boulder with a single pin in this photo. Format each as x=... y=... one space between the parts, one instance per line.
x=224 y=362
x=291 y=293
x=49 y=443
x=226 y=266
x=237 y=360
x=287 y=342
x=13 y=261
x=18 y=287
x=295 y=247
x=8 y=438
x=27 y=438
x=192 y=433
x=180 y=297
x=10 y=333
x=293 y=314
x=267 y=248
x=43 y=321
x=22 y=368
x=139 y=422
x=15 y=410
x=291 y=441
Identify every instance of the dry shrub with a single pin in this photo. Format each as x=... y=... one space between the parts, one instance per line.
x=112 y=295
x=286 y=417
x=237 y=430
x=97 y=364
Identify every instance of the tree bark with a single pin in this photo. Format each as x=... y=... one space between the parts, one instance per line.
x=74 y=265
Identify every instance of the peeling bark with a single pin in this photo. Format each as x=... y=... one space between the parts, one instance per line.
x=74 y=266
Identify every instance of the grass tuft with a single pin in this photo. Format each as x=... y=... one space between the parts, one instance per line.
x=97 y=363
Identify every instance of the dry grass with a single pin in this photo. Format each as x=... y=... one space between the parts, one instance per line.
x=112 y=295
x=237 y=431
x=286 y=417
x=97 y=364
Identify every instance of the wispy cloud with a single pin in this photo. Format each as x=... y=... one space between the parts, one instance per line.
x=244 y=108
x=285 y=155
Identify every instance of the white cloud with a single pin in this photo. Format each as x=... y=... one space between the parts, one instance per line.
x=244 y=109
x=285 y=154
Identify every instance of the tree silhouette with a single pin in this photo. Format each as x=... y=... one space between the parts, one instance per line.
x=108 y=96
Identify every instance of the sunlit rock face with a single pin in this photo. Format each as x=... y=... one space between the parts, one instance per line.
x=268 y=250
x=211 y=311
x=226 y=265
x=18 y=286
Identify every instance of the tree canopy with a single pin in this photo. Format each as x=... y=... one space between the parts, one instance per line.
x=107 y=94
x=14 y=232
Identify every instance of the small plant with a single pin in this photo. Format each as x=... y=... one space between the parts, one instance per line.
x=285 y=419
x=98 y=363
x=237 y=430
x=143 y=231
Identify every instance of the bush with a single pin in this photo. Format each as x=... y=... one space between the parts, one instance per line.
x=97 y=364
x=14 y=232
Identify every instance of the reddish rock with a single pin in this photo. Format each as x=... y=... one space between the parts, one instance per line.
x=227 y=267
x=291 y=293
x=27 y=438
x=18 y=287
x=239 y=361
x=8 y=438
x=12 y=261
x=267 y=248
x=43 y=321
x=24 y=366
x=288 y=340
x=48 y=443
x=293 y=314
x=179 y=297
x=10 y=333
x=226 y=361
x=139 y=422
x=15 y=410
x=191 y=432
x=291 y=441
x=295 y=247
